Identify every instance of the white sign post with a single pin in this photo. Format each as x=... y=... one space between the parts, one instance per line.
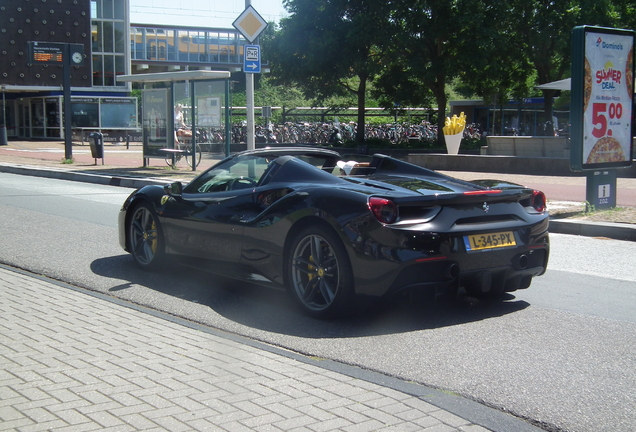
x=251 y=25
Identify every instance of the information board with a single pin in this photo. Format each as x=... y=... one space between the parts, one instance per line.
x=602 y=96
x=55 y=52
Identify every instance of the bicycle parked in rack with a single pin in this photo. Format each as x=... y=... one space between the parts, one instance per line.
x=181 y=151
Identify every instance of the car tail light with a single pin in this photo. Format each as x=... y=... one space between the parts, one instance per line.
x=483 y=192
x=538 y=201
x=383 y=209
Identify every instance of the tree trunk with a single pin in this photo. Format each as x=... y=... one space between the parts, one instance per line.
x=548 y=96
x=362 y=90
x=440 y=96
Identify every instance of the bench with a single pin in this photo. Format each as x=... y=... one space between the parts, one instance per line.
x=169 y=151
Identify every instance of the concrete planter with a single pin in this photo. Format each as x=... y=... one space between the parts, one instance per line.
x=528 y=146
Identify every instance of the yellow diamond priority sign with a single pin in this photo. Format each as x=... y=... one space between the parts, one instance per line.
x=250 y=24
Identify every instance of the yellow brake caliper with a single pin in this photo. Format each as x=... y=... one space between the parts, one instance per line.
x=311 y=268
x=153 y=243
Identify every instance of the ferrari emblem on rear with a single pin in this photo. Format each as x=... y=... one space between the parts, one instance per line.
x=485 y=207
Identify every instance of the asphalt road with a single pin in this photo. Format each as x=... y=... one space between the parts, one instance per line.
x=560 y=353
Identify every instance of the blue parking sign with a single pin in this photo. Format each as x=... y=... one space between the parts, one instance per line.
x=252 y=59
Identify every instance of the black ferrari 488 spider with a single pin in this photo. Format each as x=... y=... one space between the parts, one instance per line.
x=330 y=230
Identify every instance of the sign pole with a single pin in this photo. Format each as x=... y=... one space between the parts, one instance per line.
x=66 y=84
x=193 y=116
x=250 y=24
x=3 y=128
x=57 y=53
x=228 y=125
x=249 y=93
x=249 y=90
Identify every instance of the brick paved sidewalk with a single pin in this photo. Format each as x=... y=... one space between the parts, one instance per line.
x=76 y=362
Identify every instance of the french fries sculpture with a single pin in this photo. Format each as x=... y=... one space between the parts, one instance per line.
x=453 y=131
x=455 y=125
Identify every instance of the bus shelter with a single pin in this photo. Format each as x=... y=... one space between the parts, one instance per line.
x=202 y=94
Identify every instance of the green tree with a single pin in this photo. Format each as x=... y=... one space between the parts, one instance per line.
x=542 y=29
x=329 y=48
x=626 y=11
x=409 y=51
x=489 y=61
x=424 y=54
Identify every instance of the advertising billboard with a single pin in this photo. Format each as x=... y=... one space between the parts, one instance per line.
x=155 y=120
x=602 y=98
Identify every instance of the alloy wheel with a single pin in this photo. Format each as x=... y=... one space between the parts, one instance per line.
x=315 y=273
x=144 y=239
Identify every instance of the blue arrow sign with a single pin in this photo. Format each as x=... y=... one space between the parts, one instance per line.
x=252 y=59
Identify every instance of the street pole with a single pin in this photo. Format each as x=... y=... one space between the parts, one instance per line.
x=228 y=122
x=3 y=128
x=249 y=94
x=66 y=83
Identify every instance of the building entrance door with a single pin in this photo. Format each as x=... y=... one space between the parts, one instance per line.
x=24 y=120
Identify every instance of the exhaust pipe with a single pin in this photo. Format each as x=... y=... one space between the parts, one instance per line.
x=451 y=271
x=522 y=262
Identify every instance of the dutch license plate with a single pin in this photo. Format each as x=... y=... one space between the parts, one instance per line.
x=489 y=241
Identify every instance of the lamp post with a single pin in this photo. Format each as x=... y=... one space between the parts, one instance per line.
x=3 y=128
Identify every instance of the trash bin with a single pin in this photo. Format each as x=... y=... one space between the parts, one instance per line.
x=96 y=141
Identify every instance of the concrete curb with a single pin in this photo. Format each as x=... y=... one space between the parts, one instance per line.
x=616 y=231
x=62 y=174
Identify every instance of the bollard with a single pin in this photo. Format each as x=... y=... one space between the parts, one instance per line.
x=3 y=135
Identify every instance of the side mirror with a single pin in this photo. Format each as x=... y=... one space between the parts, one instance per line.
x=173 y=189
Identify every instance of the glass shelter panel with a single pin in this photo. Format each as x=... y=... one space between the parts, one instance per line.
x=118 y=113
x=210 y=113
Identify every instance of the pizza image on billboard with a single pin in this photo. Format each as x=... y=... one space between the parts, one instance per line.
x=606 y=150
x=629 y=72
x=587 y=91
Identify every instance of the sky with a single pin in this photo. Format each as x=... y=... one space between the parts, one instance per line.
x=200 y=13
